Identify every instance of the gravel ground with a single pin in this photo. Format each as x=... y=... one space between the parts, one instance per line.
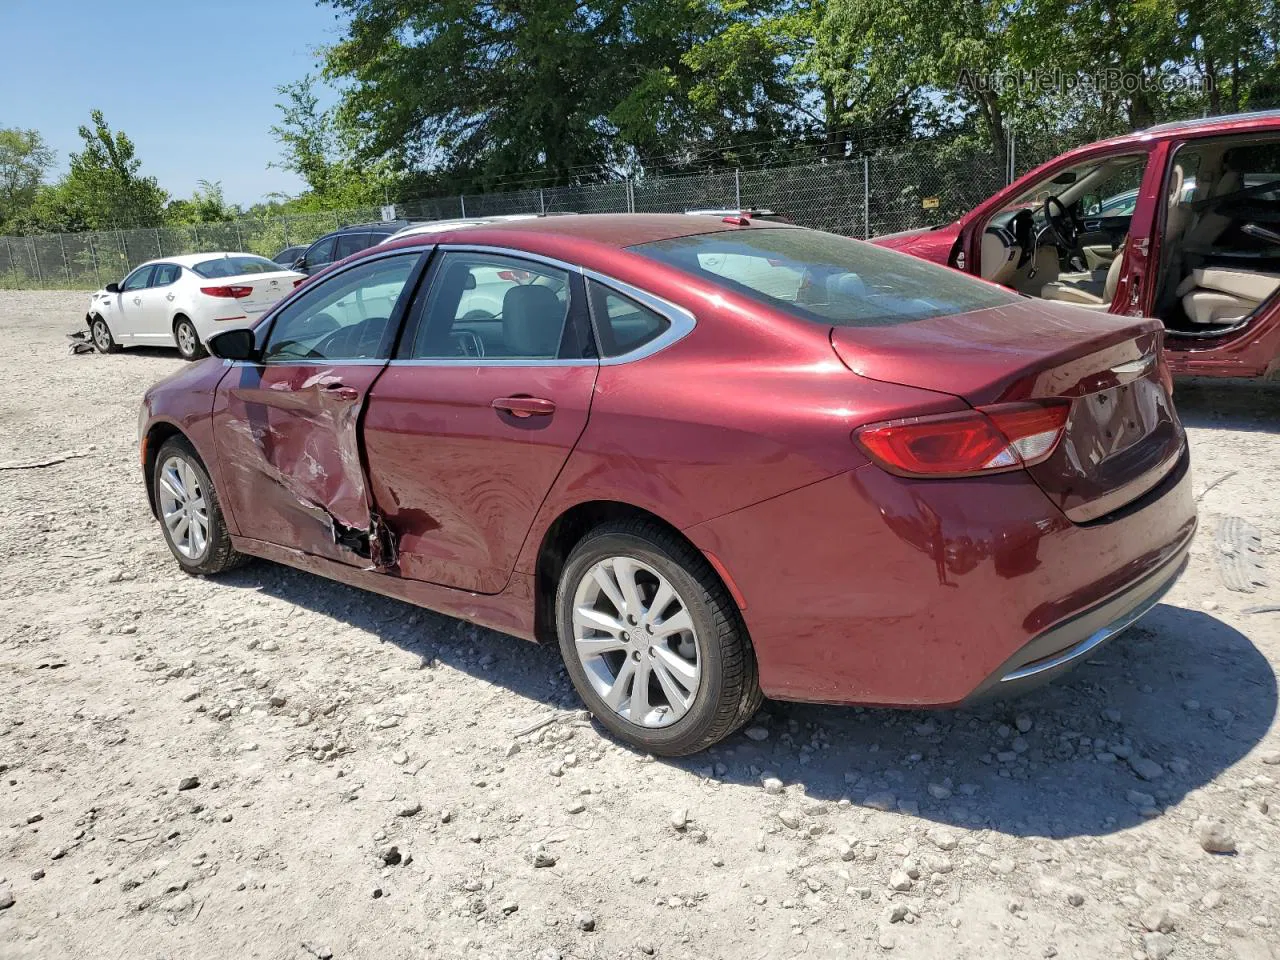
x=273 y=765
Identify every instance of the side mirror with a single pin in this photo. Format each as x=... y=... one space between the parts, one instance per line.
x=234 y=345
x=300 y=264
x=113 y=287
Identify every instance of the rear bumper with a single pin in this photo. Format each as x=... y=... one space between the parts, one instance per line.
x=868 y=588
x=1060 y=648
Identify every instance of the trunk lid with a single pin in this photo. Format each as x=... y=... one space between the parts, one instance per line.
x=1122 y=436
x=267 y=289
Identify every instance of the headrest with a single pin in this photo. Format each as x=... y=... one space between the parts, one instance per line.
x=532 y=321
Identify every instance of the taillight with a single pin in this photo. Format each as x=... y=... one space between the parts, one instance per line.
x=235 y=292
x=1004 y=436
x=300 y=280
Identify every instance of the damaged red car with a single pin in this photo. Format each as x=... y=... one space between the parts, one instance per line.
x=711 y=460
x=1179 y=222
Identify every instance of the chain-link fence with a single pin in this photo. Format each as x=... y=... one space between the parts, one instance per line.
x=889 y=189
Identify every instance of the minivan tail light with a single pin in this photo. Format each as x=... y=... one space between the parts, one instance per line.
x=1003 y=436
x=236 y=292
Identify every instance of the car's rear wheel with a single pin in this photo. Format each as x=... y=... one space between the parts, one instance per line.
x=189 y=512
x=652 y=640
x=188 y=341
x=103 y=341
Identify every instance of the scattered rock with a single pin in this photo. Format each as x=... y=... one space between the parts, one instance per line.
x=391 y=856
x=756 y=733
x=1002 y=866
x=188 y=783
x=1214 y=837
x=942 y=839
x=897 y=913
x=680 y=819
x=900 y=881
x=1140 y=800
x=540 y=858
x=411 y=809
x=1023 y=723
x=881 y=801
x=790 y=819
x=1146 y=768
x=1271 y=758
x=1075 y=897
x=1156 y=919
x=1222 y=715
x=586 y=922
x=1157 y=946
x=772 y=786
x=6 y=898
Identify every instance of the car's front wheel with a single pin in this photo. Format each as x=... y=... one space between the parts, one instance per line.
x=652 y=640
x=189 y=512
x=103 y=341
x=188 y=341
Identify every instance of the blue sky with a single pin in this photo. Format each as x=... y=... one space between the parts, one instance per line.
x=192 y=83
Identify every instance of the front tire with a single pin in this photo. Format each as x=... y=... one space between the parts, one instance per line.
x=187 y=340
x=189 y=511
x=103 y=341
x=652 y=641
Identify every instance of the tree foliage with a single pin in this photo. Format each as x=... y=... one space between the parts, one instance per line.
x=25 y=160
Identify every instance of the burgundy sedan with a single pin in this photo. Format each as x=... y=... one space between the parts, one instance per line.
x=711 y=460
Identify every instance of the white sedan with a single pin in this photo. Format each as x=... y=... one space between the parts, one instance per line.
x=185 y=300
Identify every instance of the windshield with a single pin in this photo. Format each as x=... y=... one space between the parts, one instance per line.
x=825 y=278
x=234 y=267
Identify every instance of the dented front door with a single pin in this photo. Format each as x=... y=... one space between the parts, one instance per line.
x=287 y=428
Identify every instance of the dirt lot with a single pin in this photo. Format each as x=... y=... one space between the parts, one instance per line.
x=363 y=787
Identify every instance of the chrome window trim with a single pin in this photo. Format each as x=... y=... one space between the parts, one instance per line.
x=306 y=363
x=682 y=321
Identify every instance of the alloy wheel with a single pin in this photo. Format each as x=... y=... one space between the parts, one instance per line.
x=183 y=508
x=186 y=339
x=636 y=641
x=101 y=336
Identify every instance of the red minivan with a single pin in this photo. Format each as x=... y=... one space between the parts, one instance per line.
x=1179 y=222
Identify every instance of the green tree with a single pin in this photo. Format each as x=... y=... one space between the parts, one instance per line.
x=103 y=190
x=563 y=91
x=207 y=205
x=319 y=151
x=25 y=160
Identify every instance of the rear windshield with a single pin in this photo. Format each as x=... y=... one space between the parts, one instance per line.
x=234 y=267
x=825 y=278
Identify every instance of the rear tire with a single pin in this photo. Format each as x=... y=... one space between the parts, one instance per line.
x=701 y=680
x=187 y=340
x=189 y=511
x=103 y=341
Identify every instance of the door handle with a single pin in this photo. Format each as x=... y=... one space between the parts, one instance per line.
x=137 y=300
x=1092 y=225
x=335 y=388
x=168 y=296
x=524 y=406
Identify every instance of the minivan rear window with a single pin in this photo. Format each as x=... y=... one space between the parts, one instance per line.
x=825 y=278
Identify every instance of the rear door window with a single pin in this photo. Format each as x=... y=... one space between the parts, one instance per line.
x=166 y=273
x=824 y=278
x=488 y=306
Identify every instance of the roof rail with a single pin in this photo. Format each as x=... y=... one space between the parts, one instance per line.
x=1207 y=121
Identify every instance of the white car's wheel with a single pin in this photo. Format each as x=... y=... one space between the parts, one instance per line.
x=188 y=341
x=103 y=341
